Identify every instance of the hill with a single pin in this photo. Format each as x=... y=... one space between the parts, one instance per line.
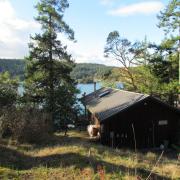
x=87 y=72
x=14 y=66
x=82 y=72
x=77 y=157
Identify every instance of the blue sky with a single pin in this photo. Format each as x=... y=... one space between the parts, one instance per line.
x=92 y=20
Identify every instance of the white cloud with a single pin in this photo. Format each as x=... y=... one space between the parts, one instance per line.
x=82 y=54
x=14 y=32
x=149 y=7
x=94 y=57
x=14 y=38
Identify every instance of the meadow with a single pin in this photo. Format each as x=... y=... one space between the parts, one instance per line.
x=78 y=157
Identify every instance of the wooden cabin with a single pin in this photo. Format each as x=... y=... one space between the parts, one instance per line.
x=128 y=118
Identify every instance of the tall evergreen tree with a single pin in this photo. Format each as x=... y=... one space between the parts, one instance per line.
x=48 y=81
x=170 y=17
x=163 y=64
x=166 y=67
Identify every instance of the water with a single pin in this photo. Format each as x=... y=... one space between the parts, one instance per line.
x=21 y=89
x=84 y=88
x=87 y=88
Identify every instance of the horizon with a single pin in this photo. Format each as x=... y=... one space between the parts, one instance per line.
x=134 y=19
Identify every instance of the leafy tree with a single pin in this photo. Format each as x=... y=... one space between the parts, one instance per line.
x=128 y=54
x=8 y=90
x=147 y=68
x=150 y=68
x=146 y=81
x=48 y=81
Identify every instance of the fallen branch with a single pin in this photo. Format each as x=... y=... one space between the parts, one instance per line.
x=155 y=165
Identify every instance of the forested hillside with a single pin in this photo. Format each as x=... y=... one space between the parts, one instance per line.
x=83 y=72
x=87 y=72
x=14 y=66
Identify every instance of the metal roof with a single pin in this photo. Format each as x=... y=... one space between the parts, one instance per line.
x=107 y=102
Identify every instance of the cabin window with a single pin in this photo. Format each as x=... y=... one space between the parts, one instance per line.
x=163 y=122
x=104 y=94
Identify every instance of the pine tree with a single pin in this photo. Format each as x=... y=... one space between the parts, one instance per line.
x=169 y=21
x=169 y=18
x=128 y=54
x=48 y=81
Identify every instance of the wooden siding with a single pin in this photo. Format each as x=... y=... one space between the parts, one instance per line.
x=117 y=130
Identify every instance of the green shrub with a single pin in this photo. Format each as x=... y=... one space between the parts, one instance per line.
x=24 y=125
x=8 y=90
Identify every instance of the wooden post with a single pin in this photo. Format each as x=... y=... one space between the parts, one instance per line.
x=153 y=134
x=135 y=148
x=94 y=86
x=85 y=109
x=112 y=138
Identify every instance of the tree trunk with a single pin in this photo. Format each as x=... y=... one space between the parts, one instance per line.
x=51 y=73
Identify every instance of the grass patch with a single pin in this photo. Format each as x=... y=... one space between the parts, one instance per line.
x=76 y=157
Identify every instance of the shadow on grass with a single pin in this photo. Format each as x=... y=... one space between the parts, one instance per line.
x=47 y=141
x=61 y=139
x=13 y=159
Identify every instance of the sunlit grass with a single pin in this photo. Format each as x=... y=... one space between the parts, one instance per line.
x=76 y=157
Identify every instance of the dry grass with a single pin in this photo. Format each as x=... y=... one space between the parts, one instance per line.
x=76 y=157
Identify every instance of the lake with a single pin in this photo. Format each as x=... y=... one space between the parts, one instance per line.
x=84 y=88
x=87 y=88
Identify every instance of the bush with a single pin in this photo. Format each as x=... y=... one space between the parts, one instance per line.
x=8 y=90
x=24 y=125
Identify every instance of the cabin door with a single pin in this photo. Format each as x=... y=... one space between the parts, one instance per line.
x=162 y=132
x=149 y=135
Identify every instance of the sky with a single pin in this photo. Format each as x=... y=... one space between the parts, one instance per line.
x=92 y=21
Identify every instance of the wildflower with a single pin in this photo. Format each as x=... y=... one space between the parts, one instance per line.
x=101 y=172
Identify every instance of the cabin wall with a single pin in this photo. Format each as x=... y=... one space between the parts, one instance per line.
x=166 y=123
x=153 y=123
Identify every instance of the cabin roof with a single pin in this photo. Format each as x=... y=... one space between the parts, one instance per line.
x=107 y=102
